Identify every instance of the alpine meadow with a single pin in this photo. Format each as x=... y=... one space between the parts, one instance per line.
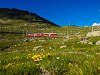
x=32 y=45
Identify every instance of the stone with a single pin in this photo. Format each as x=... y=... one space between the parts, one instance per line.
x=94 y=33
x=98 y=42
x=90 y=43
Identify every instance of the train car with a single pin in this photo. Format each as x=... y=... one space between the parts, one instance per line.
x=34 y=35
x=50 y=34
x=41 y=34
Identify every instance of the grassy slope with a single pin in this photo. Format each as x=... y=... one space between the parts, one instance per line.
x=13 y=31
x=59 y=56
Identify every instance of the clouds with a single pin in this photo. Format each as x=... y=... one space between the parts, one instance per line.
x=96 y=24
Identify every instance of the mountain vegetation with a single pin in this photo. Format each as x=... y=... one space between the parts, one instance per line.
x=70 y=53
x=30 y=17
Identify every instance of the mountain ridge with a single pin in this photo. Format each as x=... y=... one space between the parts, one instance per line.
x=13 y=13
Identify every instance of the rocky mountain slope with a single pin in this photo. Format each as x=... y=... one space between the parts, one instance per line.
x=24 y=15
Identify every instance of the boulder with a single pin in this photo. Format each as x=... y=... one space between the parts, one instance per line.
x=90 y=43
x=98 y=42
x=94 y=33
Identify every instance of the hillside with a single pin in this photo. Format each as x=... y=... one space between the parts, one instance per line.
x=29 y=17
x=14 y=24
x=63 y=56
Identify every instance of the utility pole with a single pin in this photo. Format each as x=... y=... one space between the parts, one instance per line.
x=0 y=32
x=92 y=29
x=29 y=17
x=67 y=29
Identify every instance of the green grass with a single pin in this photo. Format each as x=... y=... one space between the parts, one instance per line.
x=94 y=39
x=72 y=59
x=63 y=56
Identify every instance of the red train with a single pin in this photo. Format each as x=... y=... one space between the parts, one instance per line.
x=41 y=34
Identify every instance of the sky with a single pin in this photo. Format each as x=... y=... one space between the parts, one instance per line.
x=61 y=12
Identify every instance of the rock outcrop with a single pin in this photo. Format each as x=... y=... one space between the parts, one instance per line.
x=94 y=33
